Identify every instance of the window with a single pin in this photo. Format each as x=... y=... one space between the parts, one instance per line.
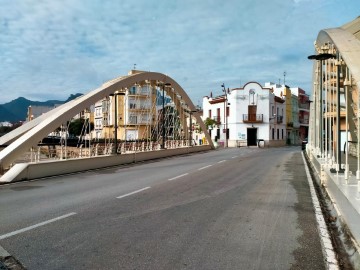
x=273 y=134
x=282 y=134
x=105 y=121
x=145 y=119
x=227 y=111
x=133 y=119
x=133 y=90
x=209 y=113
x=104 y=106
x=145 y=90
x=132 y=103
x=277 y=133
x=145 y=104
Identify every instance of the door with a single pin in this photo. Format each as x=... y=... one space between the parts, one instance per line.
x=252 y=113
x=252 y=136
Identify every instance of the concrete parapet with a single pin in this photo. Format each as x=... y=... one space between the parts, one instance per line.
x=28 y=171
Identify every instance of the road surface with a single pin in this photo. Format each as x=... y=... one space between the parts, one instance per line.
x=235 y=208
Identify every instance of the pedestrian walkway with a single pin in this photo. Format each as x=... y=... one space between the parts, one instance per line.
x=344 y=193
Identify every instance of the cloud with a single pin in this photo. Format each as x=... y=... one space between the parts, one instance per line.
x=56 y=48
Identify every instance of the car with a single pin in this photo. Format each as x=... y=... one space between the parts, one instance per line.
x=304 y=143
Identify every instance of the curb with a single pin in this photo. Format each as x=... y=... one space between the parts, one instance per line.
x=327 y=246
x=8 y=262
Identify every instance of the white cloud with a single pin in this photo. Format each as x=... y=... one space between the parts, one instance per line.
x=51 y=49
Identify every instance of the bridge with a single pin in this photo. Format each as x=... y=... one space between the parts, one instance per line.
x=334 y=147
x=144 y=115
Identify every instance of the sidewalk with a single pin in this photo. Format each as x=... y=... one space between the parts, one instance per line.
x=344 y=193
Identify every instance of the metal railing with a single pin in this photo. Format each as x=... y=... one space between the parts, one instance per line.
x=253 y=118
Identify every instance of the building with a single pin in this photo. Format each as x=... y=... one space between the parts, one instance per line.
x=297 y=111
x=137 y=110
x=35 y=111
x=101 y=118
x=254 y=115
x=304 y=111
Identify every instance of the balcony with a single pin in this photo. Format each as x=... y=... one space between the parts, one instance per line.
x=304 y=121
x=304 y=105
x=253 y=118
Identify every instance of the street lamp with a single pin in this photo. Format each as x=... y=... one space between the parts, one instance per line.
x=321 y=57
x=225 y=115
x=117 y=93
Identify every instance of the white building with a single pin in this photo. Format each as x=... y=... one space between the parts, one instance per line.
x=101 y=115
x=5 y=124
x=254 y=114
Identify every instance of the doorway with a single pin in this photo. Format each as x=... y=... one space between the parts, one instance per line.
x=252 y=137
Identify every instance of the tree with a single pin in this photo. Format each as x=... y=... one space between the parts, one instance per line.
x=210 y=123
x=77 y=125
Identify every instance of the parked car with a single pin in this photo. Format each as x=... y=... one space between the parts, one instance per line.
x=304 y=143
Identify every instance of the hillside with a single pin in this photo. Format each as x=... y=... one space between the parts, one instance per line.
x=16 y=110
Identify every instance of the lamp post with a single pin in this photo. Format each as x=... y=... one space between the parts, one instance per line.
x=117 y=93
x=321 y=57
x=225 y=116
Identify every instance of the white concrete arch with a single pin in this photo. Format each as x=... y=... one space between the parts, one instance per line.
x=62 y=114
x=348 y=46
x=16 y=133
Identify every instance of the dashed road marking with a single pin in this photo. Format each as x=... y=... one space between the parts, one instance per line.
x=176 y=177
x=204 y=167
x=131 y=193
x=35 y=226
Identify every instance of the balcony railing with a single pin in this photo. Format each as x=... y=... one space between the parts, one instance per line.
x=253 y=118
x=279 y=119
x=304 y=121
x=305 y=105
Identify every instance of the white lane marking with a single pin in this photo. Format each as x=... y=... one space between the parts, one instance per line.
x=328 y=249
x=176 y=177
x=221 y=161
x=204 y=167
x=35 y=226
x=234 y=157
x=131 y=193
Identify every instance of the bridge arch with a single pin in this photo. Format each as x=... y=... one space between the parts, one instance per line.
x=34 y=133
x=335 y=108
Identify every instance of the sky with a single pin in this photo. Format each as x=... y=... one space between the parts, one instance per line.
x=50 y=49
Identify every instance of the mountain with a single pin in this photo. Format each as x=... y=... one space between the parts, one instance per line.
x=16 y=110
x=8 y=116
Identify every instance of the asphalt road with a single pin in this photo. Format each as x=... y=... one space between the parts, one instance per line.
x=225 y=209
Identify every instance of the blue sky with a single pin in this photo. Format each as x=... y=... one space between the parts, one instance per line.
x=50 y=49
